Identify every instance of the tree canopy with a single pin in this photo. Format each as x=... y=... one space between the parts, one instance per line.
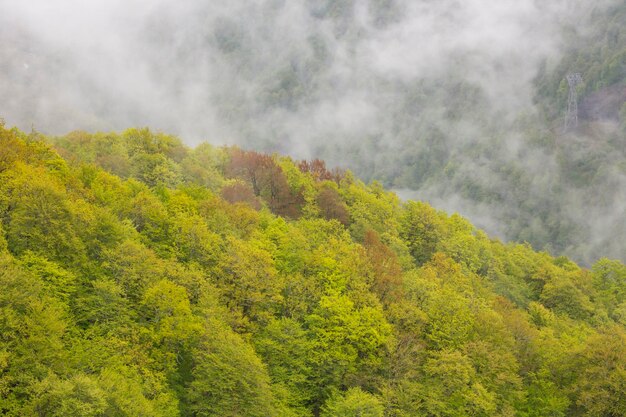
x=140 y=277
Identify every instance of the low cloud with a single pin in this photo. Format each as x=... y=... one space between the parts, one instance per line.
x=378 y=86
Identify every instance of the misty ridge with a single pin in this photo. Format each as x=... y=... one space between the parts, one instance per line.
x=457 y=103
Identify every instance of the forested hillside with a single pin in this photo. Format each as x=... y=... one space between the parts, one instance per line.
x=140 y=277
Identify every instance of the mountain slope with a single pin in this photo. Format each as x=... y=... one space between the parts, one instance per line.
x=143 y=278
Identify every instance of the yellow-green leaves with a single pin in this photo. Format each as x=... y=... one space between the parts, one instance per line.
x=315 y=294
x=354 y=403
x=228 y=378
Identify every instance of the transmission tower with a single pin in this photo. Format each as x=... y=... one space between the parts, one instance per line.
x=571 y=119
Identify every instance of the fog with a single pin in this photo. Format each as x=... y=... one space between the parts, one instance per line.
x=403 y=91
x=183 y=66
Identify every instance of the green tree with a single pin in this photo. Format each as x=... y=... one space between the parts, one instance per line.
x=40 y=217
x=421 y=227
x=285 y=347
x=609 y=278
x=348 y=343
x=600 y=386
x=250 y=281
x=79 y=396
x=229 y=379
x=450 y=387
x=32 y=328
x=353 y=403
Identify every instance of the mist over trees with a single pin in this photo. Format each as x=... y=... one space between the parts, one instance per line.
x=141 y=277
x=457 y=103
x=339 y=208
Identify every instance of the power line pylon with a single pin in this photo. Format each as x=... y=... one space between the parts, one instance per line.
x=571 y=119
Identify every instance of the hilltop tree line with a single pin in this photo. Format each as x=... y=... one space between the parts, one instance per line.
x=143 y=278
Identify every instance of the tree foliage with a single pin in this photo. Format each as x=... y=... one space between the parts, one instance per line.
x=156 y=280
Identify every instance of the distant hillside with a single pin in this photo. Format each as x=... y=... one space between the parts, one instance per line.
x=598 y=52
x=143 y=278
x=460 y=103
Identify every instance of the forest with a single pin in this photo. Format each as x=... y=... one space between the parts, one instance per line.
x=141 y=277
